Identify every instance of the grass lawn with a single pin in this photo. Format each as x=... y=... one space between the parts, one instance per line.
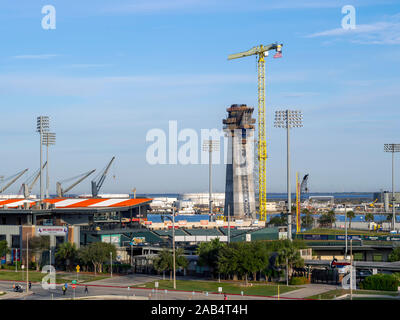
x=342 y=231
x=36 y=276
x=227 y=287
x=339 y=292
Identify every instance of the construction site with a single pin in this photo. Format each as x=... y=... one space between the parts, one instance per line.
x=141 y=227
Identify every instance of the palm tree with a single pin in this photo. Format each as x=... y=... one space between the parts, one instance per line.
x=351 y=215
x=289 y=255
x=369 y=217
x=66 y=254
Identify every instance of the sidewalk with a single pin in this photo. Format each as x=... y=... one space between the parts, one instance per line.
x=14 y=295
x=307 y=291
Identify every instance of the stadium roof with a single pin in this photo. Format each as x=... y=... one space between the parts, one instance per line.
x=65 y=203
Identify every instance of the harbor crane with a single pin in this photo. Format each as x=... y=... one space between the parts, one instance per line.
x=262 y=52
x=81 y=177
x=303 y=186
x=13 y=178
x=98 y=181
x=28 y=185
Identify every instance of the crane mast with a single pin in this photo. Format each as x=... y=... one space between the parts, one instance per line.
x=261 y=51
x=96 y=186
x=13 y=179
x=28 y=189
x=61 y=191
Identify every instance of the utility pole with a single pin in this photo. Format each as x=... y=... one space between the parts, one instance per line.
x=27 y=263
x=42 y=126
x=345 y=230
x=111 y=263
x=288 y=119
x=351 y=269
x=392 y=147
x=210 y=146
x=49 y=138
x=173 y=244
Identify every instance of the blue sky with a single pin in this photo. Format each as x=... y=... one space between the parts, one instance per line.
x=113 y=70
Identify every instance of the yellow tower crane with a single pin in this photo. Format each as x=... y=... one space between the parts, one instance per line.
x=262 y=52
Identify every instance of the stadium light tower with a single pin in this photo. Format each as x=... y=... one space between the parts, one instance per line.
x=49 y=138
x=392 y=147
x=210 y=146
x=288 y=119
x=42 y=126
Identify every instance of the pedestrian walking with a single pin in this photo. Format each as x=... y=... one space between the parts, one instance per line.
x=30 y=285
x=86 y=290
x=64 y=289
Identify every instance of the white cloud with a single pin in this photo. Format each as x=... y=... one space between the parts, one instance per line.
x=384 y=32
x=35 y=56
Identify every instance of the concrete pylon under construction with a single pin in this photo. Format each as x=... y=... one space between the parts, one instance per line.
x=239 y=186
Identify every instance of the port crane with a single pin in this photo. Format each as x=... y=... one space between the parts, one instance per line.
x=303 y=186
x=98 y=181
x=81 y=177
x=28 y=185
x=262 y=52
x=13 y=178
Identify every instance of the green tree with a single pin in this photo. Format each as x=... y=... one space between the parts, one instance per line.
x=289 y=255
x=229 y=260
x=394 y=255
x=66 y=255
x=280 y=220
x=369 y=217
x=4 y=248
x=327 y=219
x=208 y=253
x=350 y=215
x=307 y=220
x=255 y=258
x=97 y=253
x=38 y=244
x=165 y=261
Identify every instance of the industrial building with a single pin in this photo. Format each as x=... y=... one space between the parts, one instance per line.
x=385 y=197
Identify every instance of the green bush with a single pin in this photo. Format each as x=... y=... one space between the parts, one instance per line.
x=383 y=282
x=298 y=280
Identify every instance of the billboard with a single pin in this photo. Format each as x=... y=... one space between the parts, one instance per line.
x=51 y=231
x=138 y=240
x=111 y=238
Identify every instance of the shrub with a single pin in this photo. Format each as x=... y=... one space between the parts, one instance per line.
x=298 y=280
x=384 y=282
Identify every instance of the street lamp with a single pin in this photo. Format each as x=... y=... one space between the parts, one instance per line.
x=345 y=226
x=173 y=243
x=42 y=127
x=111 y=263
x=288 y=119
x=392 y=147
x=210 y=146
x=49 y=138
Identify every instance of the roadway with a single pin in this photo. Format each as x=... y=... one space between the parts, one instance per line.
x=114 y=287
